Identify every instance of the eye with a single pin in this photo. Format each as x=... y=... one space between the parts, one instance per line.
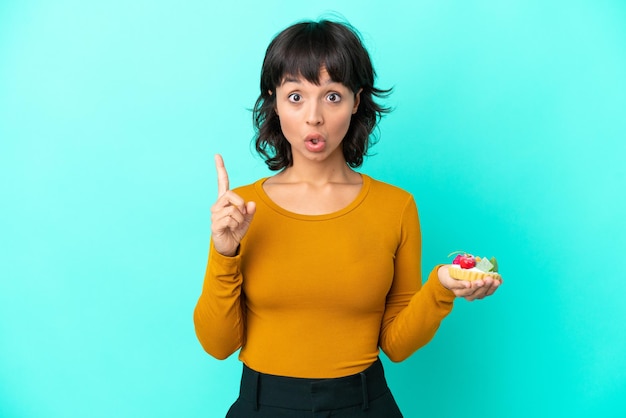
x=294 y=97
x=334 y=98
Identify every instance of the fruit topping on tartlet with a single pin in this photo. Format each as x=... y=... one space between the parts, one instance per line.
x=466 y=266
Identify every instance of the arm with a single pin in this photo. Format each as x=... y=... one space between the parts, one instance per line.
x=413 y=312
x=218 y=316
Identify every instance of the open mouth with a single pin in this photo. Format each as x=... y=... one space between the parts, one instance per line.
x=315 y=143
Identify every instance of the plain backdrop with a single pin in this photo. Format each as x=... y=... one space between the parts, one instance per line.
x=509 y=128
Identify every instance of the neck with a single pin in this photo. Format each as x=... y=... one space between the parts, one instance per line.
x=319 y=173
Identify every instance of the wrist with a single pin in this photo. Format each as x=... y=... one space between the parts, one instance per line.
x=442 y=273
x=228 y=252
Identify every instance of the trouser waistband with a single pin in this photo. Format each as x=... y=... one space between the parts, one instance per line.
x=314 y=394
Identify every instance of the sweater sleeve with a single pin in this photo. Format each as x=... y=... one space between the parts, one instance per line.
x=413 y=312
x=218 y=316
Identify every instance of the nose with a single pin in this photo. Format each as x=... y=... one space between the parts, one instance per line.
x=314 y=114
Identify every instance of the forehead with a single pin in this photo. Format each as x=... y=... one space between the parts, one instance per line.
x=303 y=49
x=323 y=79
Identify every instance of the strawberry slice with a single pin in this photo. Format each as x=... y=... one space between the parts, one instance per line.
x=467 y=261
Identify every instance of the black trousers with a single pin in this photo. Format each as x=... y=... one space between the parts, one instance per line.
x=364 y=394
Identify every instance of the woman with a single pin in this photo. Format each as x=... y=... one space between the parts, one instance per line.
x=312 y=271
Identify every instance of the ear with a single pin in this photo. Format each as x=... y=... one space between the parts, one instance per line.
x=357 y=101
x=271 y=93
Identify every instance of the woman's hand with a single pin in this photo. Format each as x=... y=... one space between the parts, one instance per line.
x=230 y=215
x=473 y=290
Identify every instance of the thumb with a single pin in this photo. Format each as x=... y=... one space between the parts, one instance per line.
x=250 y=210
x=450 y=283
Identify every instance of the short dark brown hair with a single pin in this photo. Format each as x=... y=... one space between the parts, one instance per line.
x=302 y=50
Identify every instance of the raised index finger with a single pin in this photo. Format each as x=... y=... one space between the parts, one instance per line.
x=222 y=175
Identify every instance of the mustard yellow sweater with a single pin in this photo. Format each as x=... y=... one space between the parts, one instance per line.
x=316 y=296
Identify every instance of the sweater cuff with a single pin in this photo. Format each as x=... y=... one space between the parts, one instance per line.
x=224 y=267
x=440 y=291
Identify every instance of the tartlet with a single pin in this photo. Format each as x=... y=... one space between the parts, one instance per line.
x=465 y=266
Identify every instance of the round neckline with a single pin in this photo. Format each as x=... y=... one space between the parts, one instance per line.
x=365 y=186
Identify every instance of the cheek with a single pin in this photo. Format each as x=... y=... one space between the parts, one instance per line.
x=342 y=121
x=287 y=124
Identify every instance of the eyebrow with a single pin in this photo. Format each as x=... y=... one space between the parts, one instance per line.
x=291 y=79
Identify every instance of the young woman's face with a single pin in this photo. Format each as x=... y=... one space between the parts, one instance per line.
x=315 y=118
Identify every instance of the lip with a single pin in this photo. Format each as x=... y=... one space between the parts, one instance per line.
x=315 y=143
x=314 y=137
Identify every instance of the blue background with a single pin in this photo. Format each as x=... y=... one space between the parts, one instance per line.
x=509 y=129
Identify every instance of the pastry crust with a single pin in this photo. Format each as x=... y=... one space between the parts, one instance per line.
x=470 y=274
